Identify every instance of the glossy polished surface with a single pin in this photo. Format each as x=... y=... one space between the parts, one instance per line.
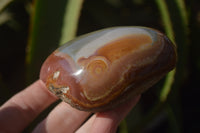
x=99 y=70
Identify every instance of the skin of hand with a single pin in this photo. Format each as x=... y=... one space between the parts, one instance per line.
x=21 y=109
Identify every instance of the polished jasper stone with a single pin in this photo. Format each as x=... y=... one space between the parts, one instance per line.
x=99 y=70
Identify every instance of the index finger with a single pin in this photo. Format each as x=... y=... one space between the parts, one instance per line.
x=22 y=108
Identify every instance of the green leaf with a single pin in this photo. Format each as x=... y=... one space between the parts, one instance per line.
x=49 y=25
x=4 y=3
x=123 y=127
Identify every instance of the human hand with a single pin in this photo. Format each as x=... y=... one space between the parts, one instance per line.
x=25 y=106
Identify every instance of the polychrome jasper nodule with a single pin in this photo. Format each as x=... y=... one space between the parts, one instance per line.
x=102 y=69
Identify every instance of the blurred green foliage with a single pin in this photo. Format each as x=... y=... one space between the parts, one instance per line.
x=31 y=30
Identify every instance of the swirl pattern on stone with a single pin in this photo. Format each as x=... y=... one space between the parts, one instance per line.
x=102 y=69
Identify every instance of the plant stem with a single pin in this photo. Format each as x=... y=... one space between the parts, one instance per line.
x=165 y=16
x=70 y=22
x=182 y=10
x=167 y=86
x=162 y=6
